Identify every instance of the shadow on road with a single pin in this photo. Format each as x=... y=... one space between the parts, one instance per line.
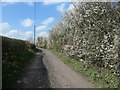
x=34 y=74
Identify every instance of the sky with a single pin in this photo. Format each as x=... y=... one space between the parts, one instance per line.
x=18 y=18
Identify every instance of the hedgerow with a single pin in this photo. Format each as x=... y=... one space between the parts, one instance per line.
x=14 y=55
x=90 y=33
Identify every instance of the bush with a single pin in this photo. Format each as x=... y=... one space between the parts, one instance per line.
x=91 y=32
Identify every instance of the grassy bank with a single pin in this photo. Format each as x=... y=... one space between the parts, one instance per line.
x=12 y=69
x=15 y=53
x=102 y=80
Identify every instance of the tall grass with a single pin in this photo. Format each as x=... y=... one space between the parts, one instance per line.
x=103 y=79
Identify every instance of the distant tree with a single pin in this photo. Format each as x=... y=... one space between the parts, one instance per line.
x=41 y=42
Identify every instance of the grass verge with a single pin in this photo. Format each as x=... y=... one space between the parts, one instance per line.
x=13 y=68
x=103 y=79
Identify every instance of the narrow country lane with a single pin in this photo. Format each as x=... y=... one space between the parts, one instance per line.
x=61 y=76
x=56 y=44
x=47 y=71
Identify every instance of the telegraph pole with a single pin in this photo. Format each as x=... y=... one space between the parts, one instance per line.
x=34 y=33
x=35 y=22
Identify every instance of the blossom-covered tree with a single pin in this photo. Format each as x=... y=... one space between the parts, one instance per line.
x=90 y=32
